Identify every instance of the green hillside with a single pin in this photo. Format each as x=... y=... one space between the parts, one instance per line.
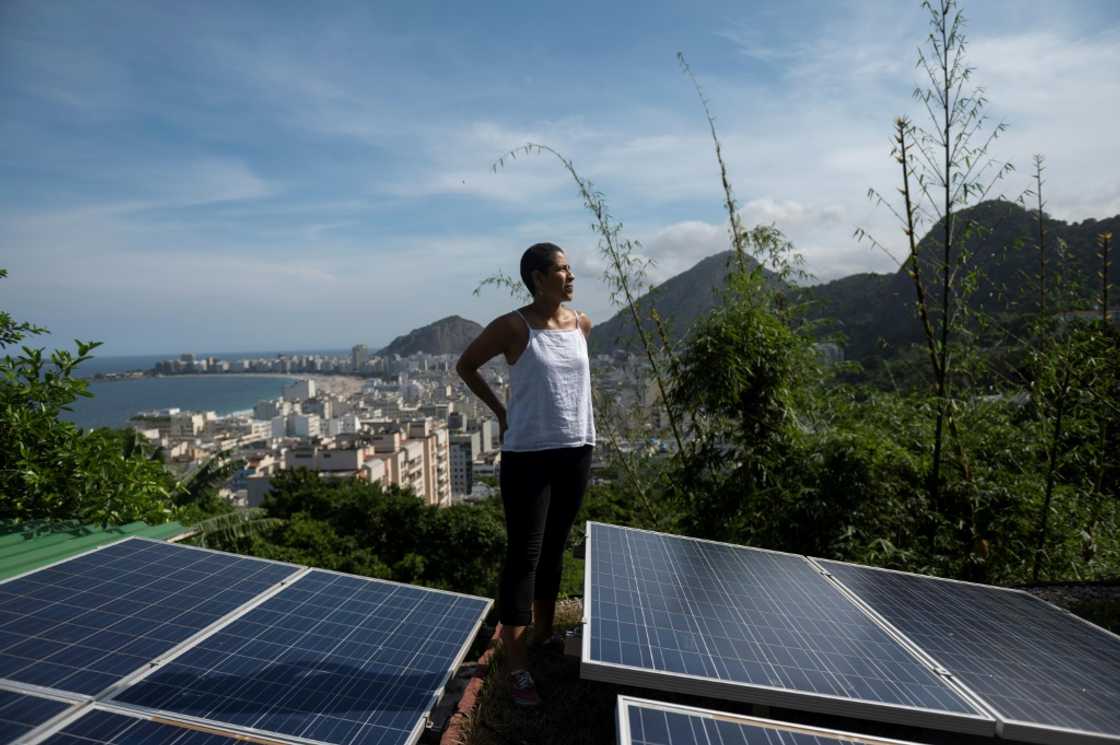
x=875 y=313
x=680 y=301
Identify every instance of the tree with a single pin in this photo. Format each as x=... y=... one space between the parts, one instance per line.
x=352 y=526
x=49 y=469
x=741 y=373
x=945 y=169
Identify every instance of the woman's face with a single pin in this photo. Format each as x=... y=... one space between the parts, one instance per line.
x=558 y=281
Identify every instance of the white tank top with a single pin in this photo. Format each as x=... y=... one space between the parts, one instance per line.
x=550 y=392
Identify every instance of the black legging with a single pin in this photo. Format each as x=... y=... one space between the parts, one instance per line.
x=542 y=491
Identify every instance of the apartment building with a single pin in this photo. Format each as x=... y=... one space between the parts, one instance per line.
x=299 y=390
x=464 y=450
x=305 y=426
x=359 y=357
x=488 y=465
x=348 y=424
x=457 y=421
x=186 y=424
x=322 y=406
x=375 y=470
x=413 y=474
x=269 y=410
x=426 y=464
x=392 y=466
x=324 y=460
x=489 y=439
x=436 y=455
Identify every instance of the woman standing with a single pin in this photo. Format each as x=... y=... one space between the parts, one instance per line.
x=547 y=437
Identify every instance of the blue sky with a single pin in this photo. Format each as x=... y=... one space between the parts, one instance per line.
x=216 y=176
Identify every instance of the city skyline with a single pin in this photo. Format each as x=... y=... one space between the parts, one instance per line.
x=195 y=178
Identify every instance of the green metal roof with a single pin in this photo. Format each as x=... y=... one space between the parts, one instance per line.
x=29 y=545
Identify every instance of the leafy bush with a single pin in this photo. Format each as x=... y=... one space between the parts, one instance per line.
x=49 y=469
x=351 y=526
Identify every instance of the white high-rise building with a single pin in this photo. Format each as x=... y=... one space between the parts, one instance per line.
x=299 y=390
x=271 y=409
x=412 y=392
x=303 y=425
x=491 y=437
x=359 y=357
x=279 y=426
x=187 y=424
x=464 y=450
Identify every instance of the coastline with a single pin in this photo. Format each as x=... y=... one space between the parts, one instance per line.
x=225 y=393
x=338 y=385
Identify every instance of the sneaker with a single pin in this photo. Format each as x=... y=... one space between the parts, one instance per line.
x=523 y=688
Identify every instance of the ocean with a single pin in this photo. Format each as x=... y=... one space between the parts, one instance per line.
x=115 y=401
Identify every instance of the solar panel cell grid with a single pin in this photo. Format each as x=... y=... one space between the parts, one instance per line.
x=652 y=723
x=82 y=625
x=20 y=713
x=1030 y=661
x=109 y=728
x=333 y=658
x=657 y=727
x=733 y=614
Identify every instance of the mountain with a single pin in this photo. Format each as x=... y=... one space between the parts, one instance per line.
x=871 y=310
x=449 y=335
x=680 y=301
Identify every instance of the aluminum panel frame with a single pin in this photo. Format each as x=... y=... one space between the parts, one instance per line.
x=1006 y=727
x=106 y=692
x=271 y=735
x=626 y=702
x=979 y=724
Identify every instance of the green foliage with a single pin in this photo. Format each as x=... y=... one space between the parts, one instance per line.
x=1075 y=396
x=944 y=465
x=49 y=469
x=741 y=368
x=741 y=375
x=351 y=526
x=234 y=528
x=516 y=289
x=200 y=486
x=861 y=495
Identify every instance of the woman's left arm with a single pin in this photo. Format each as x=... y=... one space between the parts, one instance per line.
x=585 y=324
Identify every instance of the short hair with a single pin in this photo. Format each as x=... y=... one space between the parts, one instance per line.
x=537 y=258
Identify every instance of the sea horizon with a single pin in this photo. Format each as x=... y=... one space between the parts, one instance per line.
x=122 y=363
x=115 y=401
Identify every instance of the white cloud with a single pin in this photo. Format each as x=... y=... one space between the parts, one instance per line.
x=1061 y=96
x=204 y=181
x=680 y=246
x=269 y=244
x=487 y=160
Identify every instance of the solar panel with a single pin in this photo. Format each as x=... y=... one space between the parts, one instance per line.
x=732 y=622
x=96 y=726
x=642 y=722
x=331 y=658
x=84 y=624
x=21 y=712
x=1048 y=675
